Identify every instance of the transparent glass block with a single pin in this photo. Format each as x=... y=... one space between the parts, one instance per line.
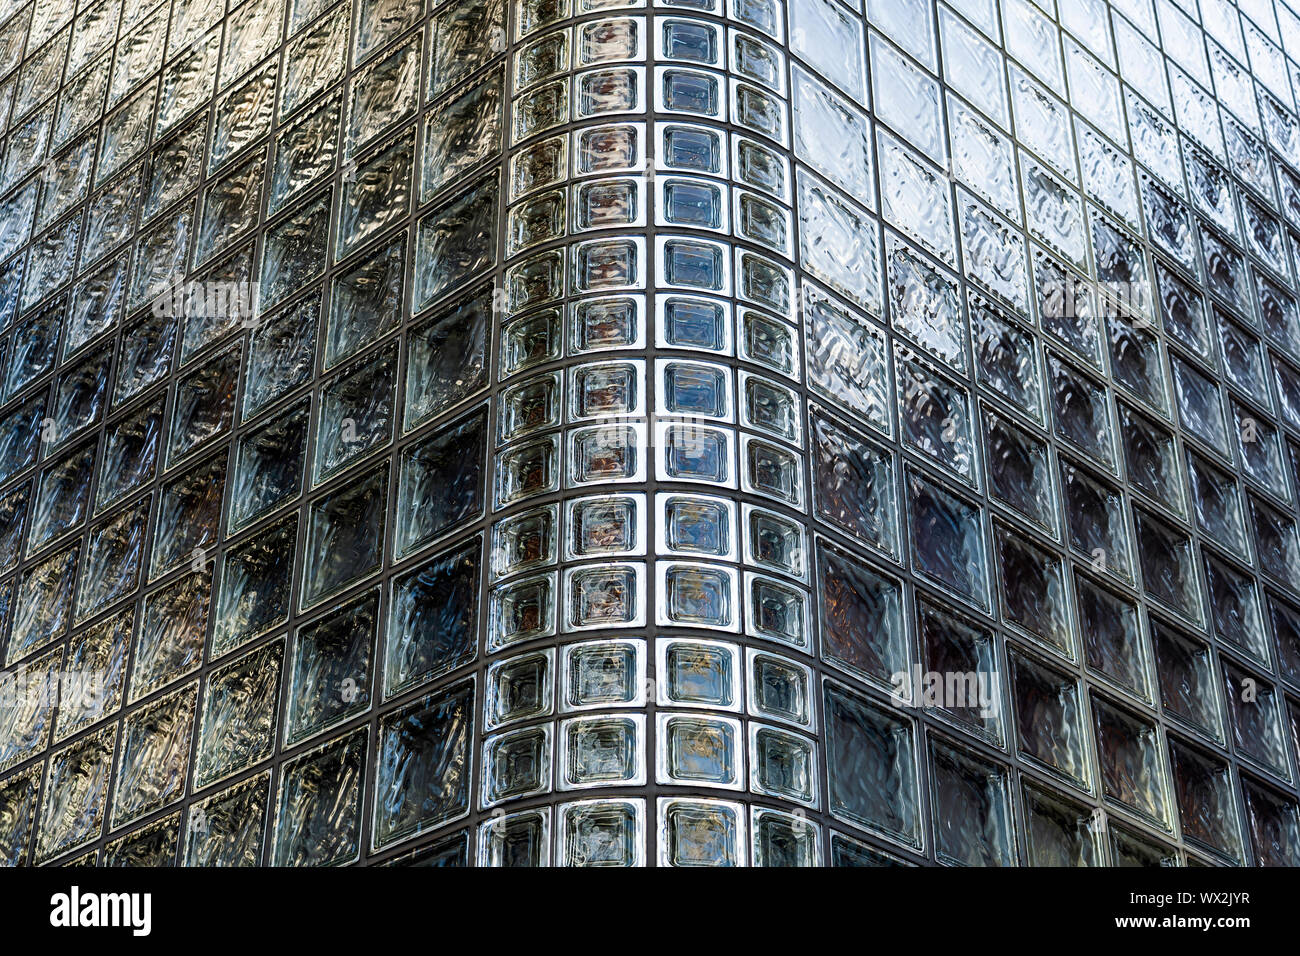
x=518 y=840
x=519 y=688
x=1081 y=408
x=100 y=650
x=356 y=413
x=281 y=354
x=114 y=554
x=305 y=150
x=433 y=618
x=861 y=614
x=253 y=596
x=1034 y=593
x=344 y=536
x=846 y=358
x=269 y=466
x=43 y=604
x=1060 y=832
x=189 y=511
x=867 y=743
x=1094 y=515
x=376 y=192
x=293 y=250
x=331 y=669
x=603 y=674
x=948 y=539
x=697 y=526
x=699 y=751
x=153 y=757
x=974 y=67
x=1207 y=810
x=839 y=245
x=602 y=751
x=1049 y=718
x=906 y=98
x=237 y=729
x=605 y=525
x=1168 y=565
x=465 y=37
x=454 y=242
x=602 y=833
x=424 y=750
x=516 y=765
x=953 y=646
x=973 y=816
x=826 y=34
x=934 y=415
x=1019 y=471
x=76 y=792
x=315 y=60
x=605 y=597
x=1112 y=636
x=1129 y=755
x=318 y=805
x=226 y=829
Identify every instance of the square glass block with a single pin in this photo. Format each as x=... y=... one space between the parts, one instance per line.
x=525 y=541
x=204 y=404
x=153 y=759
x=1060 y=832
x=114 y=554
x=519 y=688
x=606 y=453
x=318 y=807
x=344 y=536
x=602 y=751
x=43 y=605
x=422 y=772
x=602 y=833
x=701 y=833
x=1129 y=757
x=441 y=483
x=603 y=674
x=98 y=652
x=1019 y=471
x=948 y=539
x=861 y=616
x=613 y=322
x=606 y=389
x=955 y=646
x=699 y=596
x=699 y=751
x=239 y=714
x=226 y=829
x=608 y=524
x=433 y=618
x=522 y=610
x=173 y=626
x=253 y=596
x=867 y=743
x=1094 y=515
x=1049 y=716
x=516 y=765
x=76 y=788
x=972 y=809
x=269 y=466
x=1034 y=594
x=281 y=354
x=697 y=674
x=331 y=669
x=779 y=689
x=447 y=360
x=776 y=611
x=356 y=413
x=1207 y=807
x=518 y=840
x=697 y=526
x=782 y=764
x=365 y=301
x=783 y=839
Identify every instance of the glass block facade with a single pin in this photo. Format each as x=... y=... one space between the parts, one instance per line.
x=631 y=432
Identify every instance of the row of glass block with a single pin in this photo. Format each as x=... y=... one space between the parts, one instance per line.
x=685 y=526
x=611 y=673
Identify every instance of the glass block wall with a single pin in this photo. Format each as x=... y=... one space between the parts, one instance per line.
x=621 y=432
